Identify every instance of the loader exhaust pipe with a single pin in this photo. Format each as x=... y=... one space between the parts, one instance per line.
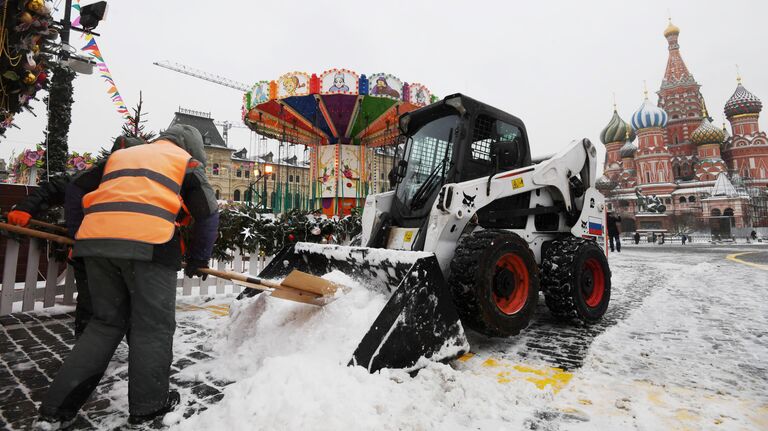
x=419 y=323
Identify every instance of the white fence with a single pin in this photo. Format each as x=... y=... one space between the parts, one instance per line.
x=31 y=293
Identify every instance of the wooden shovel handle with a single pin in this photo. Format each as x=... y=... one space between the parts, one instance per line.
x=54 y=227
x=37 y=234
x=241 y=277
x=50 y=226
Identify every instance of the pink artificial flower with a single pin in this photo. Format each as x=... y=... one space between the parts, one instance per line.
x=81 y=165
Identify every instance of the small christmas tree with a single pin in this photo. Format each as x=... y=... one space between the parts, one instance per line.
x=134 y=124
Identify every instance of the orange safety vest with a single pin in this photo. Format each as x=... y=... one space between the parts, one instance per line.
x=138 y=198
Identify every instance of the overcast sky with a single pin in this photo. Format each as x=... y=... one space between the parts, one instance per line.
x=555 y=64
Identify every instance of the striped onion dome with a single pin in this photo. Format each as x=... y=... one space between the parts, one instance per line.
x=742 y=102
x=707 y=133
x=616 y=130
x=648 y=115
x=628 y=150
x=605 y=184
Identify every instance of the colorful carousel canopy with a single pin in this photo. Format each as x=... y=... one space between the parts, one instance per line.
x=336 y=107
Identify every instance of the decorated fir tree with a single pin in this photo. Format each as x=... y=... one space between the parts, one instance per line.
x=59 y=102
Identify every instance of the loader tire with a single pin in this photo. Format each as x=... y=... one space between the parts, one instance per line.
x=576 y=279
x=495 y=282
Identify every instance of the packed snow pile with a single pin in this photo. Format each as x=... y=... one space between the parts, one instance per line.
x=289 y=362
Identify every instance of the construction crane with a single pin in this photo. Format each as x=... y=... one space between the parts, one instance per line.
x=197 y=73
x=226 y=125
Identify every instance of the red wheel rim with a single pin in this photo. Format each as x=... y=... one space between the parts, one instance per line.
x=595 y=270
x=514 y=297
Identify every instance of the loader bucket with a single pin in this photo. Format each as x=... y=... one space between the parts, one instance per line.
x=419 y=320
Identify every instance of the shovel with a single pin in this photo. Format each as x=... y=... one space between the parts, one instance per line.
x=297 y=286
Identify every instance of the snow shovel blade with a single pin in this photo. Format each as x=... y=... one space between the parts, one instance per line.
x=418 y=321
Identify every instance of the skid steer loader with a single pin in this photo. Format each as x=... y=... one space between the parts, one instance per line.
x=472 y=231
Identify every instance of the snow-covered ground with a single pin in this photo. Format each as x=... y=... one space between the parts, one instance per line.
x=683 y=346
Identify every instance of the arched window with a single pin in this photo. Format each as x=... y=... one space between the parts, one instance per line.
x=247 y=195
x=715 y=212
x=728 y=212
x=682 y=199
x=691 y=199
x=239 y=173
x=647 y=177
x=668 y=201
x=236 y=196
x=217 y=192
x=247 y=173
x=216 y=169
x=290 y=178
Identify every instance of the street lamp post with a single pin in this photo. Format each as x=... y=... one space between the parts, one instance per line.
x=253 y=186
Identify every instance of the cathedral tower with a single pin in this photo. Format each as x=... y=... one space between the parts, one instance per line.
x=680 y=97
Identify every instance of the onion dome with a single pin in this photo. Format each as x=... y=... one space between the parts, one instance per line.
x=648 y=115
x=605 y=184
x=628 y=150
x=616 y=130
x=671 y=29
x=742 y=102
x=707 y=133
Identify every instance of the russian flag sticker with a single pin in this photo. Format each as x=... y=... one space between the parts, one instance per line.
x=595 y=226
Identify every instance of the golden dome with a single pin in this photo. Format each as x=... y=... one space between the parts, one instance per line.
x=671 y=29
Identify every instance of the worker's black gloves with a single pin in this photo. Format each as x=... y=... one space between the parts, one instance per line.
x=193 y=268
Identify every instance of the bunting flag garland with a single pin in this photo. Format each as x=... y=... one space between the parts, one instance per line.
x=93 y=49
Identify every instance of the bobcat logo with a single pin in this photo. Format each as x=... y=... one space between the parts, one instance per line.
x=469 y=201
x=583 y=224
x=592 y=202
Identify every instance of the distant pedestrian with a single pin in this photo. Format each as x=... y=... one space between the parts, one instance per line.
x=637 y=238
x=653 y=237
x=661 y=241
x=683 y=238
x=753 y=235
x=613 y=231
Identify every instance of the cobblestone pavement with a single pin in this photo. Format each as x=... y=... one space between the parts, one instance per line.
x=32 y=346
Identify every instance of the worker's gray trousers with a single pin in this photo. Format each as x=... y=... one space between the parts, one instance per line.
x=127 y=295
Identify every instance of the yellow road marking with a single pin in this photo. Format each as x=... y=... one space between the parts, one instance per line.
x=735 y=258
x=555 y=378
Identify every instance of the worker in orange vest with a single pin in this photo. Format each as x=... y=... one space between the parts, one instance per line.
x=132 y=250
x=68 y=191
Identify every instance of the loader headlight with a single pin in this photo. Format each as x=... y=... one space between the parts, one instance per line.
x=456 y=104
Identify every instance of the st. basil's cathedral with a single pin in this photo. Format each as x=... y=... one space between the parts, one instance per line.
x=700 y=176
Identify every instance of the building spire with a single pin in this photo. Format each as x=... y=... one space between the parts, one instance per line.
x=738 y=75
x=614 y=102
x=645 y=89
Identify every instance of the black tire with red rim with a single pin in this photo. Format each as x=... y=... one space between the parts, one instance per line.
x=495 y=282
x=576 y=279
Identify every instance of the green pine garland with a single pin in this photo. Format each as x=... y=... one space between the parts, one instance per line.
x=243 y=227
x=59 y=118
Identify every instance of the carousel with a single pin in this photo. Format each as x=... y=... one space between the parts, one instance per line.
x=344 y=120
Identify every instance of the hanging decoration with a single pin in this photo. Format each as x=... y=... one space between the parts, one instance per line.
x=93 y=48
x=26 y=33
